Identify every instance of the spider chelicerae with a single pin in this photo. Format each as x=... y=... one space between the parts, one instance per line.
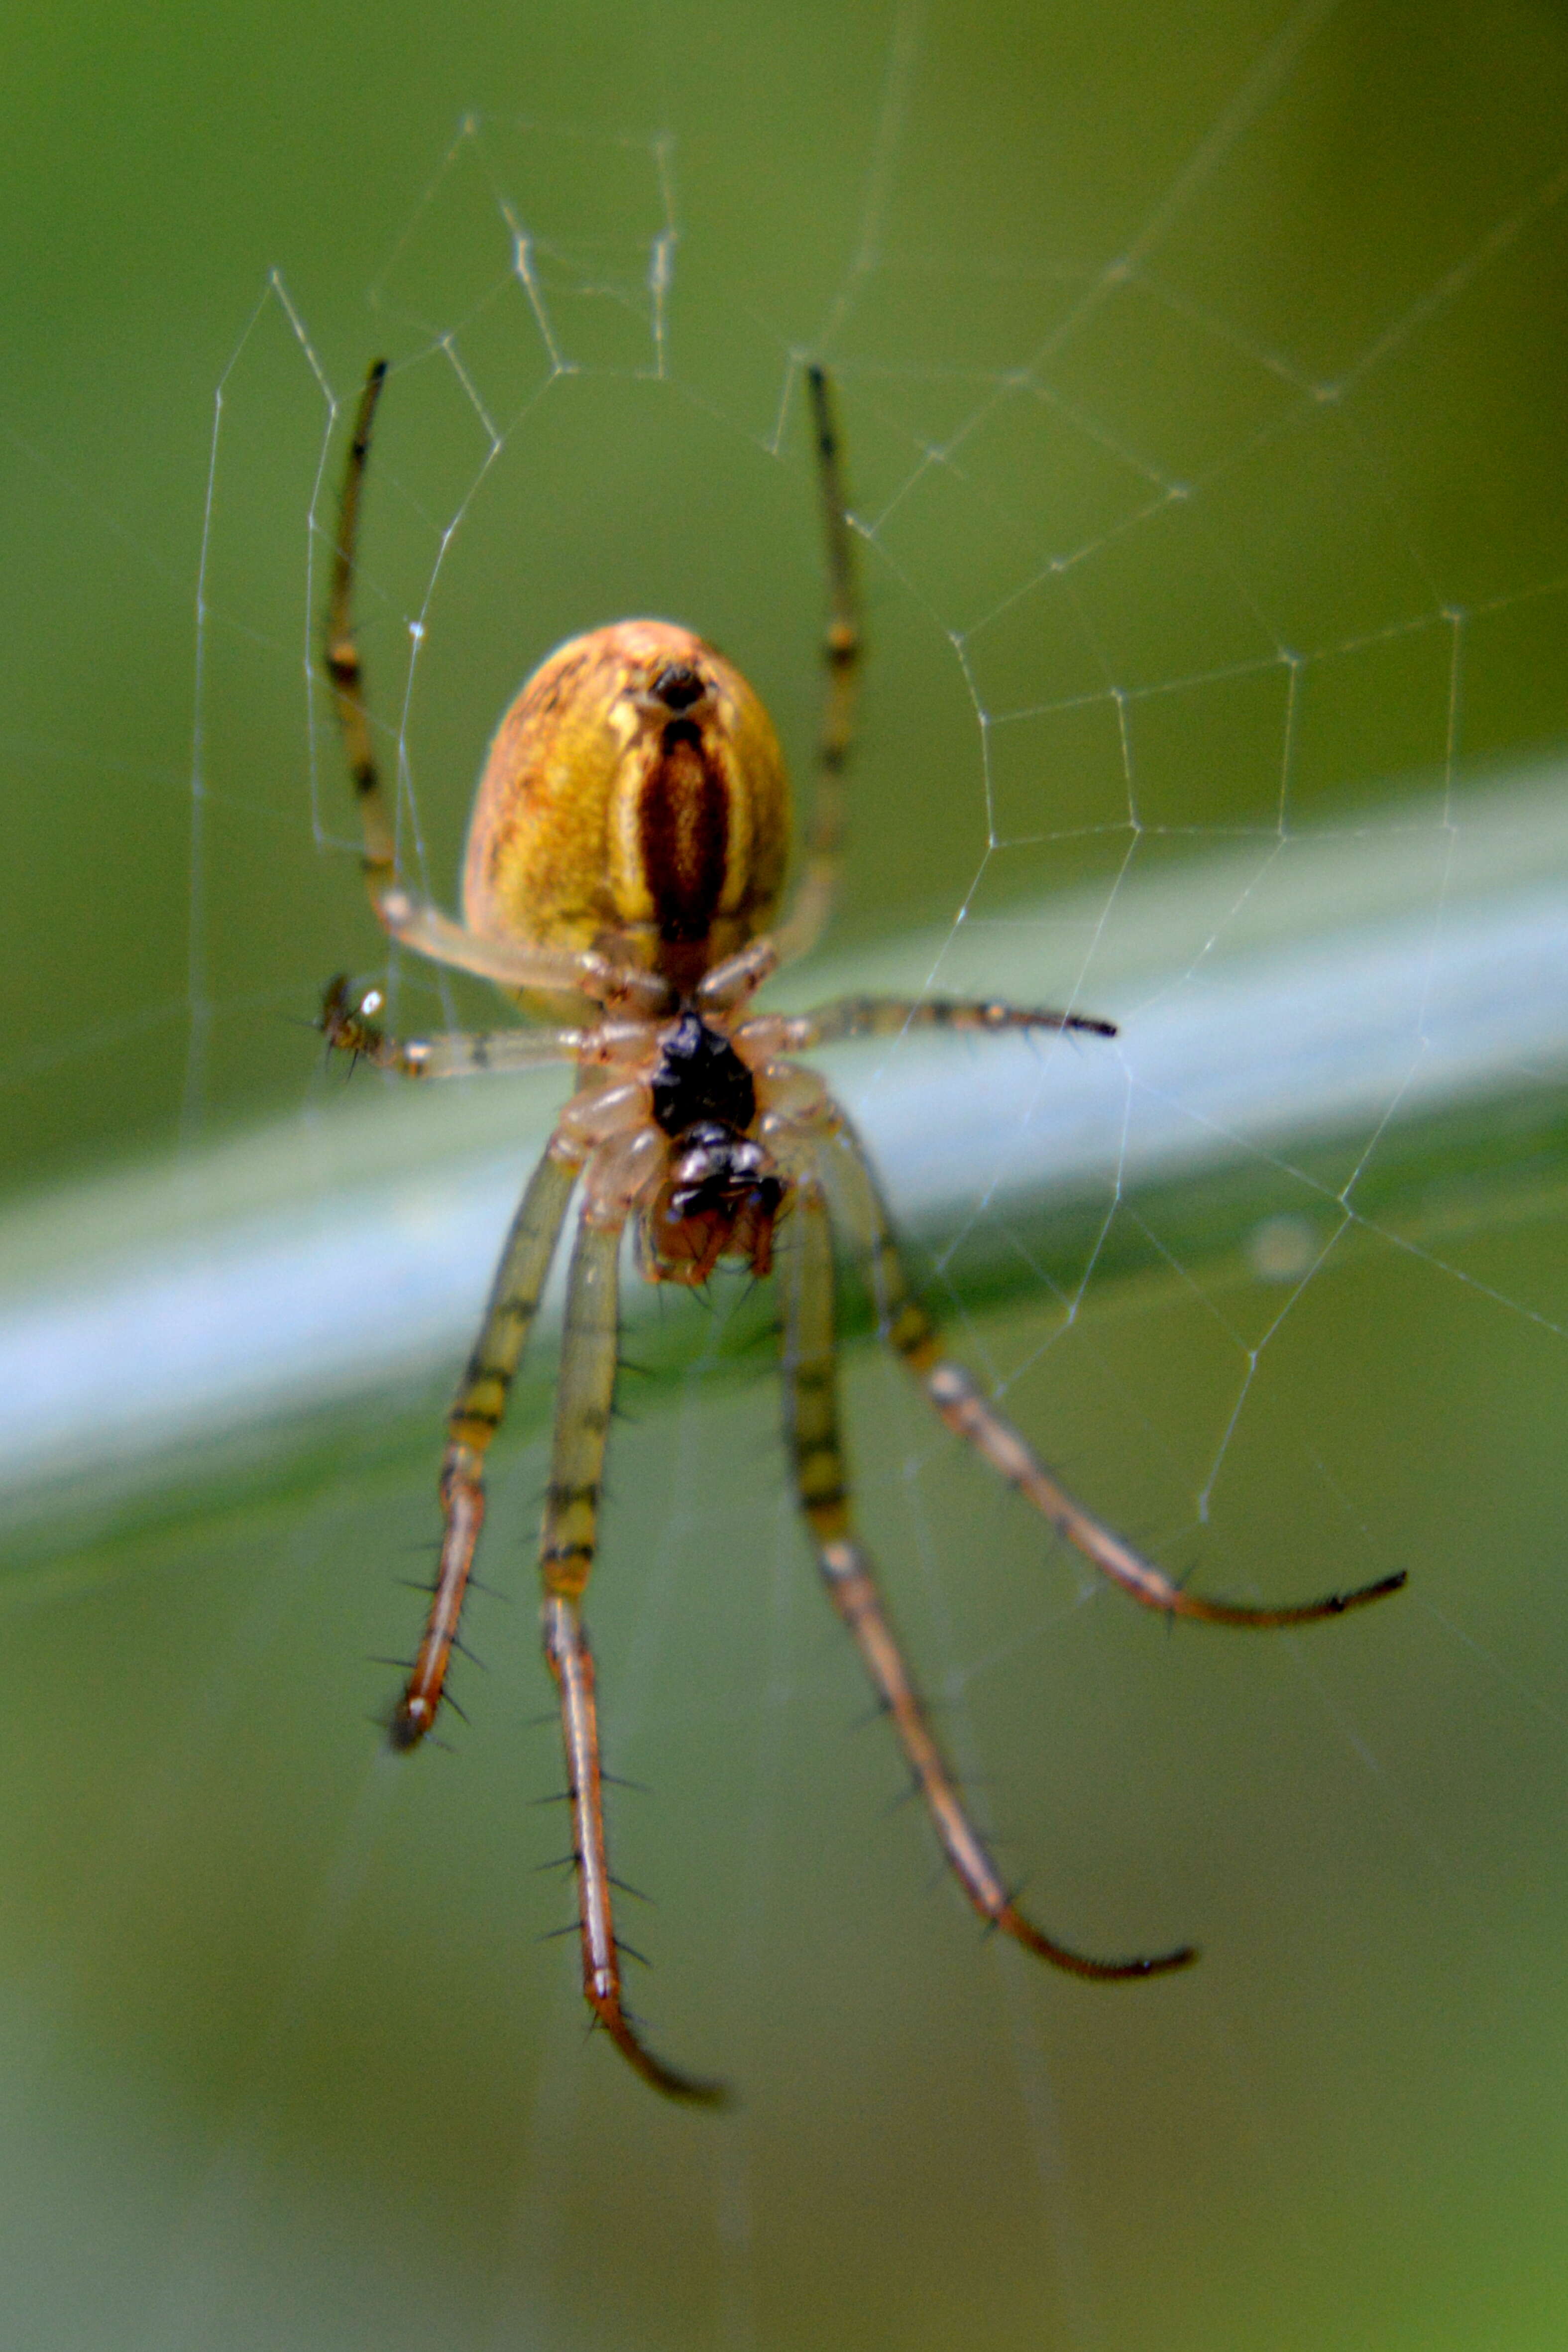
x=625 y=858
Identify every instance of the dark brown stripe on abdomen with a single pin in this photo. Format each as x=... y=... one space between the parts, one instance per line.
x=685 y=834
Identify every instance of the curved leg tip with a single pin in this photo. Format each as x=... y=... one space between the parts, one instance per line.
x=1163 y=1964
x=411 y=1720
x=1306 y=1613
x=1395 y=1584
x=696 y=2090
x=690 y=2090
x=1336 y=1604
x=1078 y=1964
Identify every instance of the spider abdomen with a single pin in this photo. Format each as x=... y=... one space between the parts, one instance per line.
x=634 y=791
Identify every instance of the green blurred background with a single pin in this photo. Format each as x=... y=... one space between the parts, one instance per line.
x=1262 y=533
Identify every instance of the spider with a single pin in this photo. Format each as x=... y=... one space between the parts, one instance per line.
x=625 y=859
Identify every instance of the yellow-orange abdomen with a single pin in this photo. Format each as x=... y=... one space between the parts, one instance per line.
x=635 y=794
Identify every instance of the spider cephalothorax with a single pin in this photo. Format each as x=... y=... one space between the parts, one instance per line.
x=625 y=857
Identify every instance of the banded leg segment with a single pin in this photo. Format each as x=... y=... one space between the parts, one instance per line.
x=841 y=651
x=566 y=1561
x=886 y=1016
x=811 y=1428
x=348 y=1028
x=907 y=1328
x=341 y=658
x=475 y=1415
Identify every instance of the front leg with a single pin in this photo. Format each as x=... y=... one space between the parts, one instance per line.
x=886 y=1016
x=351 y=1028
x=413 y=922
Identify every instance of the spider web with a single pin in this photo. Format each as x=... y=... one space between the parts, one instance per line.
x=1215 y=586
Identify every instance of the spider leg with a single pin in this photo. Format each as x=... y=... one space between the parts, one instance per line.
x=567 y=1544
x=474 y=1417
x=456 y=1054
x=812 y=1427
x=414 y=922
x=886 y=1016
x=341 y=654
x=907 y=1328
x=843 y=648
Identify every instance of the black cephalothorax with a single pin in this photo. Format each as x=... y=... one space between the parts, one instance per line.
x=701 y=1080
